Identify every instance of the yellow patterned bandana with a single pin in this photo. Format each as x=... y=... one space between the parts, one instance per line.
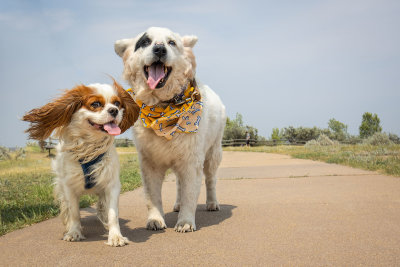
x=183 y=115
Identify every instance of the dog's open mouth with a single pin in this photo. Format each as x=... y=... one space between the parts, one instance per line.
x=110 y=127
x=157 y=74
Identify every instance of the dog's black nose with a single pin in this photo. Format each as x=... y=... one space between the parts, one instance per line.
x=113 y=112
x=159 y=50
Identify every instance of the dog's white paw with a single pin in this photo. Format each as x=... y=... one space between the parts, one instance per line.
x=185 y=226
x=177 y=207
x=156 y=224
x=212 y=206
x=73 y=236
x=117 y=240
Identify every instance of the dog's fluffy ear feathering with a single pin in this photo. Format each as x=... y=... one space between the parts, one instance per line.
x=59 y=113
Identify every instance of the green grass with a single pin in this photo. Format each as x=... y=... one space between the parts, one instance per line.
x=26 y=191
x=384 y=159
x=130 y=172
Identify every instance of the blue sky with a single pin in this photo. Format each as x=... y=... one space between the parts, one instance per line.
x=278 y=63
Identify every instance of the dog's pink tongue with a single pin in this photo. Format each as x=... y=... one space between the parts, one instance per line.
x=112 y=128
x=156 y=73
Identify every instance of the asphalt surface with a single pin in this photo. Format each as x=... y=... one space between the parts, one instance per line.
x=274 y=211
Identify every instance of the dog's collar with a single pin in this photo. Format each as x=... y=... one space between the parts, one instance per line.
x=178 y=99
x=86 y=168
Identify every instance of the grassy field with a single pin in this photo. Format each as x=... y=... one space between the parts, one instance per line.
x=26 y=191
x=384 y=159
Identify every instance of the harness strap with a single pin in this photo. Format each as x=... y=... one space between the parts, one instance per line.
x=86 y=168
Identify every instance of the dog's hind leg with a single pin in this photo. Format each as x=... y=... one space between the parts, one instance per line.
x=102 y=209
x=211 y=163
x=177 y=205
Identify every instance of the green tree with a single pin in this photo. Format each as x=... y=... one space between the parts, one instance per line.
x=338 y=129
x=239 y=119
x=370 y=124
x=276 y=135
x=235 y=129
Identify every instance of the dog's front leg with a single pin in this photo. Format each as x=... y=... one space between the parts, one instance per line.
x=152 y=184
x=73 y=221
x=115 y=238
x=190 y=183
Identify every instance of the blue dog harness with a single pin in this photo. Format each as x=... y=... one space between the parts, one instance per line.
x=86 y=167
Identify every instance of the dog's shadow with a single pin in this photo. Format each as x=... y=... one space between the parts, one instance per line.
x=94 y=230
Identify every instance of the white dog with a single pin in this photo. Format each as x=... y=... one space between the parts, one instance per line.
x=86 y=119
x=181 y=122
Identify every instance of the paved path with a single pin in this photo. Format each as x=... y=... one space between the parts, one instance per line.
x=275 y=211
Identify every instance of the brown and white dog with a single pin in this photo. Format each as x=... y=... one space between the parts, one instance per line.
x=159 y=64
x=86 y=119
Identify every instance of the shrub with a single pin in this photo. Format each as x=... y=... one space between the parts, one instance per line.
x=311 y=143
x=302 y=134
x=394 y=138
x=20 y=153
x=4 y=153
x=353 y=140
x=322 y=140
x=378 y=139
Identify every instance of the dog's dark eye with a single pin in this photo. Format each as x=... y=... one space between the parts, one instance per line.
x=96 y=104
x=117 y=103
x=146 y=42
x=172 y=43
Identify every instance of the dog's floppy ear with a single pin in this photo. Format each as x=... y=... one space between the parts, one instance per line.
x=189 y=40
x=121 y=45
x=131 y=109
x=44 y=120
